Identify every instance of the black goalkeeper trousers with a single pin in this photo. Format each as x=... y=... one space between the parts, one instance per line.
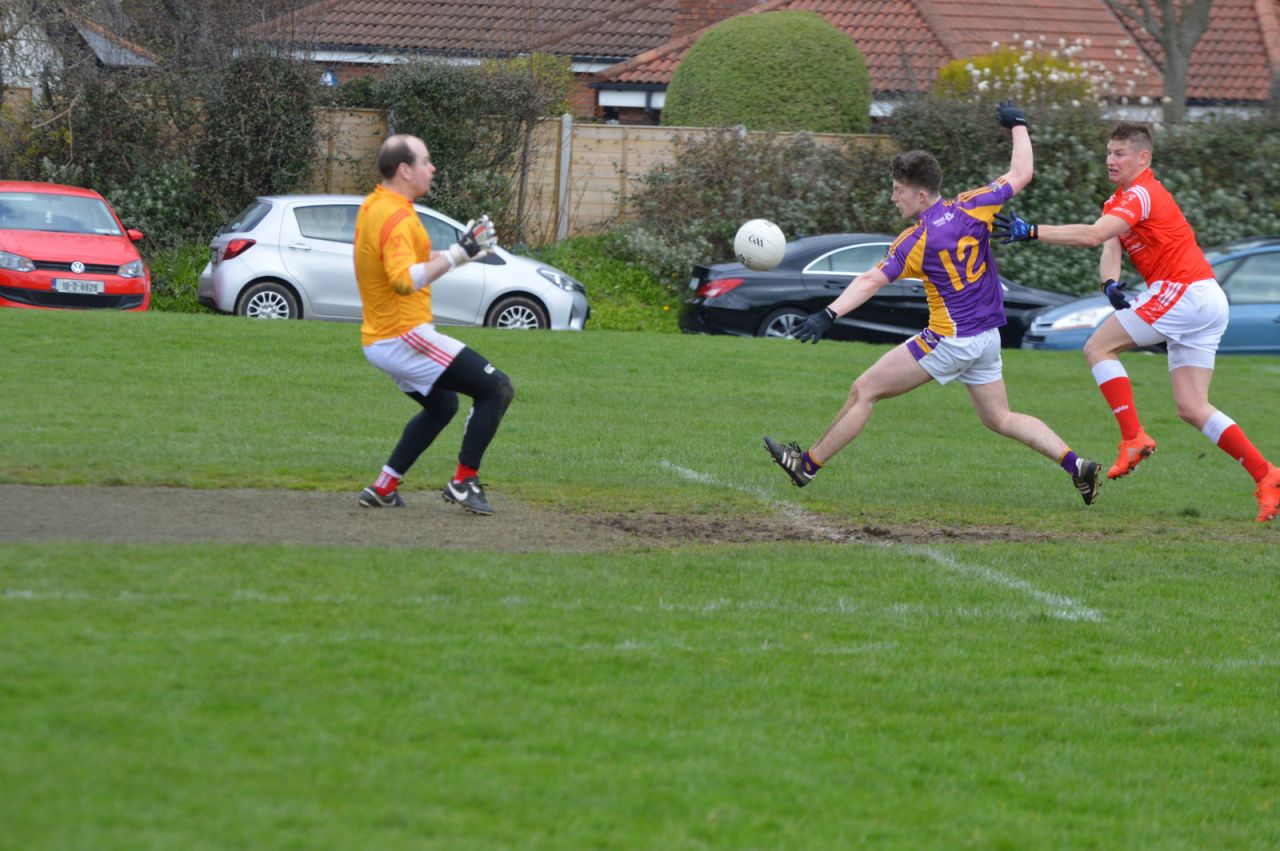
x=471 y=375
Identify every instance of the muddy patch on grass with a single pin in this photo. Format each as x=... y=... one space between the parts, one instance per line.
x=183 y=515
x=766 y=528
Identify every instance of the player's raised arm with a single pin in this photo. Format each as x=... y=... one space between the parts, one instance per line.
x=1022 y=160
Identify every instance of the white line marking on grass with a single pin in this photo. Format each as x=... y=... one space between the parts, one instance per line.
x=1061 y=607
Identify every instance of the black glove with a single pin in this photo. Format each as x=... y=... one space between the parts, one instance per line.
x=1012 y=228
x=1010 y=116
x=815 y=325
x=1115 y=293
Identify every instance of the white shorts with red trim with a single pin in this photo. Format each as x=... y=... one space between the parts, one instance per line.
x=416 y=358
x=1191 y=318
x=973 y=360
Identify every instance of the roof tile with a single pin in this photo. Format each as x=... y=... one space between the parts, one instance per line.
x=585 y=28
x=905 y=43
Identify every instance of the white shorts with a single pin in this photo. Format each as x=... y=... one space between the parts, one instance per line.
x=416 y=358
x=1191 y=318
x=973 y=360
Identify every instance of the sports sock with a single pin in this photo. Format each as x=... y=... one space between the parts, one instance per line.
x=464 y=472
x=1230 y=438
x=1113 y=381
x=388 y=481
x=1069 y=462
x=811 y=465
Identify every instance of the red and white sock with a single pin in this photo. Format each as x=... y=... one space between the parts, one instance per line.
x=464 y=472
x=388 y=481
x=1113 y=381
x=1230 y=438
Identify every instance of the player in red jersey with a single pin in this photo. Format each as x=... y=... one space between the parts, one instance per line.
x=1182 y=306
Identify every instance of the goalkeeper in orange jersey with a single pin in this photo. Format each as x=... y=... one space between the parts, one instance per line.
x=395 y=266
x=1182 y=306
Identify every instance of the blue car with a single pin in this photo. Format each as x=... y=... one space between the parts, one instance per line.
x=1249 y=272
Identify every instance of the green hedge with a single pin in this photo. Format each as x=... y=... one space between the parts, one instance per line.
x=772 y=71
x=623 y=296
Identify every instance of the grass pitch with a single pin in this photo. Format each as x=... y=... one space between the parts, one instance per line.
x=1101 y=677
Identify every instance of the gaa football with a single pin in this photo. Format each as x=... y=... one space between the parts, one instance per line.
x=759 y=244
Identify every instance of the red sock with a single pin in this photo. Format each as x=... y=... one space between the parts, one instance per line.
x=1234 y=443
x=1119 y=395
x=464 y=472
x=386 y=483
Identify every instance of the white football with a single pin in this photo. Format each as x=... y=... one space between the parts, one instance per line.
x=759 y=244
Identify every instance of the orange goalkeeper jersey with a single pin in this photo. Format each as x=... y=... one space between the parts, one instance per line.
x=389 y=239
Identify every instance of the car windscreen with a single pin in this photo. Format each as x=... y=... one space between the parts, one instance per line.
x=247 y=219
x=45 y=211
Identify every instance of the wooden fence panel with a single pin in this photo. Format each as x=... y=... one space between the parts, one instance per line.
x=607 y=166
x=347 y=142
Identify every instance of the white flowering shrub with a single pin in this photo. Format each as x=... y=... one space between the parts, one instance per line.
x=1041 y=73
x=1028 y=77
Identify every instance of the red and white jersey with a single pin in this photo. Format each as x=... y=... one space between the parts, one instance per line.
x=1160 y=242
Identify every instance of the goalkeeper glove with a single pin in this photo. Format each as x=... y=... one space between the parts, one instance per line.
x=1012 y=228
x=815 y=325
x=1115 y=293
x=478 y=240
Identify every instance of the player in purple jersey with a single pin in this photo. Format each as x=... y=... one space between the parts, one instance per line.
x=949 y=248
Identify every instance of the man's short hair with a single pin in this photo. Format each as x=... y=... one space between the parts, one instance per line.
x=1139 y=135
x=393 y=152
x=919 y=170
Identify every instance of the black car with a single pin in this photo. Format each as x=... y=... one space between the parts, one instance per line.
x=729 y=298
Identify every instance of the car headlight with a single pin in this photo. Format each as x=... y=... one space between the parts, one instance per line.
x=1086 y=317
x=561 y=280
x=132 y=269
x=15 y=262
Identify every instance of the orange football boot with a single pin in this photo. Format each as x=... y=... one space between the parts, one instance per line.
x=1132 y=452
x=1268 y=495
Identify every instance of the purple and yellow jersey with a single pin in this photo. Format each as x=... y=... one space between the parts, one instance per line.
x=949 y=248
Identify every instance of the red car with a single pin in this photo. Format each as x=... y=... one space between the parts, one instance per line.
x=61 y=246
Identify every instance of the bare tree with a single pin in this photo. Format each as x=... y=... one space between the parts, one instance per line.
x=1176 y=25
x=197 y=35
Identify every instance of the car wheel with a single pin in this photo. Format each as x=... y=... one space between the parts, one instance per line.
x=783 y=322
x=517 y=311
x=268 y=300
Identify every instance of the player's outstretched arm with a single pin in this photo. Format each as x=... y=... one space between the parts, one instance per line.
x=859 y=290
x=1107 y=227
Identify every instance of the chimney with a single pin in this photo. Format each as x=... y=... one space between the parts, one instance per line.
x=693 y=15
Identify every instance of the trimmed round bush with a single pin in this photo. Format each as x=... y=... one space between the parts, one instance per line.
x=772 y=71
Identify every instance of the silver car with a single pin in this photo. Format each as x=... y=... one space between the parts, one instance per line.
x=289 y=257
